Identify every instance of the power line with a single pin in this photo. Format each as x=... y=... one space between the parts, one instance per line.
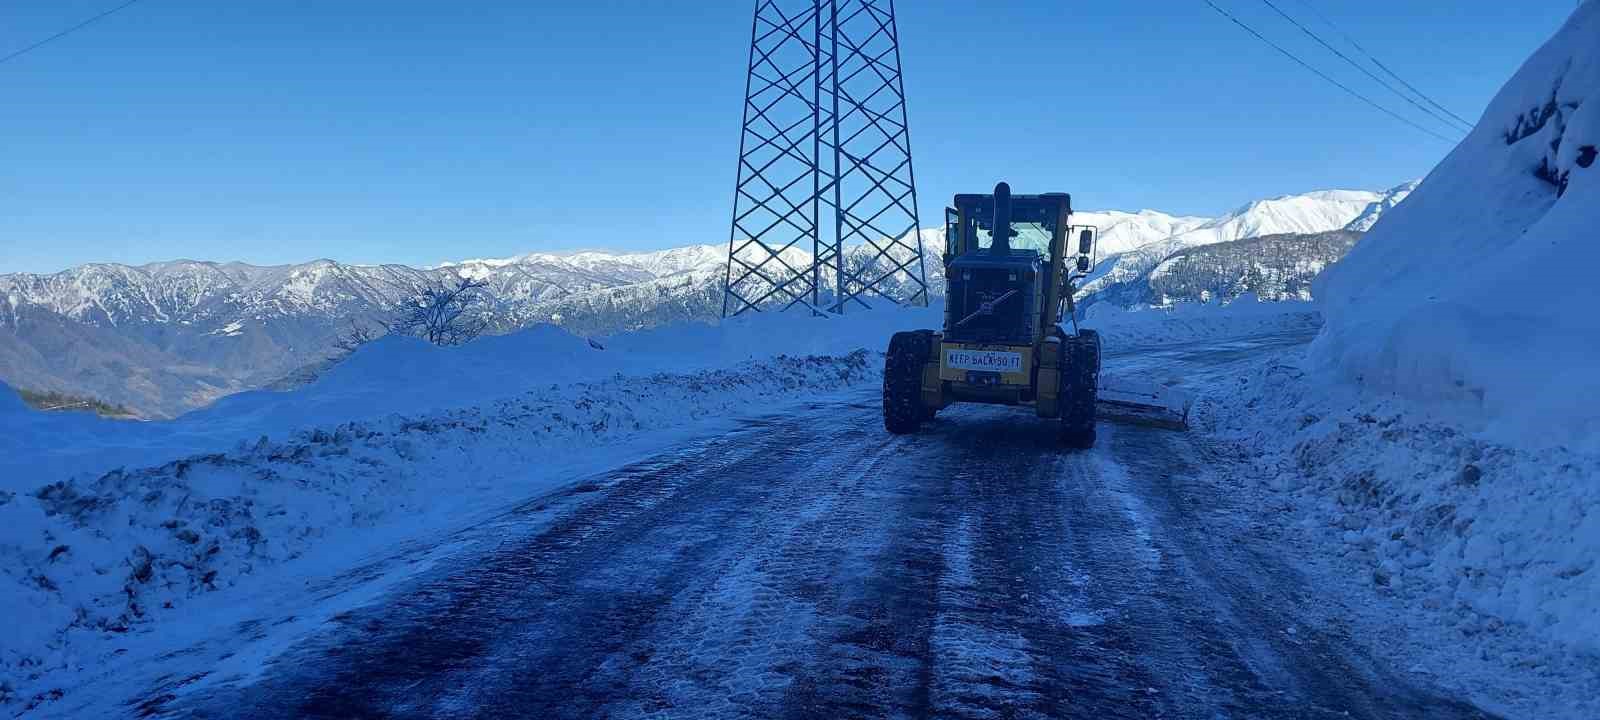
x=1323 y=75
x=1363 y=70
x=64 y=33
x=1379 y=63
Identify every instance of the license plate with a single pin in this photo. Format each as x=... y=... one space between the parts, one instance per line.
x=984 y=360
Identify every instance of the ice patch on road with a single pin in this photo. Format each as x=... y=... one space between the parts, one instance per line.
x=978 y=671
x=1116 y=482
x=1082 y=619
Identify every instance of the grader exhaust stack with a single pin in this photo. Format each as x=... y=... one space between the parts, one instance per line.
x=1002 y=220
x=1011 y=273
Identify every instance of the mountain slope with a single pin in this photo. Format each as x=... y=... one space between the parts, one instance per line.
x=1121 y=232
x=1122 y=278
x=166 y=337
x=1270 y=267
x=1312 y=212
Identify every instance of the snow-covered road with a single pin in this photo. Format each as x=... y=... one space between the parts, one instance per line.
x=808 y=564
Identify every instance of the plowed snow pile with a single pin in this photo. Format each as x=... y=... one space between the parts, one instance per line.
x=1456 y=453
x=1479 y=292
x=1486 y=550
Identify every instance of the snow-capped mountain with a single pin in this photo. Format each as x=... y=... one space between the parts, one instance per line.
x=1124 y=278
x=1120 y=232
x=166 y=337
x=1312 y=212
x=211 y=295
x=609 y=265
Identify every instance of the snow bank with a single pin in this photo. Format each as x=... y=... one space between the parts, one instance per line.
x=1461 y=460
x=1479 y=291
x=102 y=561
x=397 y=375
x=30 y=439
x=1482 y=537
x=10 y=402
x=407 y=376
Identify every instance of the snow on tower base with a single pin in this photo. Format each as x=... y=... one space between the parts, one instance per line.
x=1478 y=292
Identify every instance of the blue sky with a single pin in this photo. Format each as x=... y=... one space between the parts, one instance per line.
x=418 y=131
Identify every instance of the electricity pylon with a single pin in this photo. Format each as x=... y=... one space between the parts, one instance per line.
x=825 y=201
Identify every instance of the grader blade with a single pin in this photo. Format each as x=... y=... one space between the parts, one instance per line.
x=1141 y=402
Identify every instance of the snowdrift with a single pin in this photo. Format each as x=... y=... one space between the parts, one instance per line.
x=404 y=375
x=1478 y=292
x=1489 y=548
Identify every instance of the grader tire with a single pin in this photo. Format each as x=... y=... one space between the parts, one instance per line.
x=1080 y=383
x=902 y=381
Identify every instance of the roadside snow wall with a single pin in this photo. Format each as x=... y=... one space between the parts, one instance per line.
x=1480 y=290
x=405 y=376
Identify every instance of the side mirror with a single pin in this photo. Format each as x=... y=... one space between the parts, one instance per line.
x=1083 y=263
x=1085 y=242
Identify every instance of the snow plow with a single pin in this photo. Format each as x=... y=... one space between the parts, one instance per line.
x=1010 y=276
x=1140 y=402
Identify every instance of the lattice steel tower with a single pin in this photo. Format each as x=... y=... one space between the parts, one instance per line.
x=825 y=204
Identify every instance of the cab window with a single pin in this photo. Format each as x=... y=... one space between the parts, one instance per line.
x=1024 y=236
x=1031 y=228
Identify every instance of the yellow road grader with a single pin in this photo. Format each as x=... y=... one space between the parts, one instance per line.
x=1010 y=274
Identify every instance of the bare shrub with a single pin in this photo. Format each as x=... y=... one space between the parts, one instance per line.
x=445 y=314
